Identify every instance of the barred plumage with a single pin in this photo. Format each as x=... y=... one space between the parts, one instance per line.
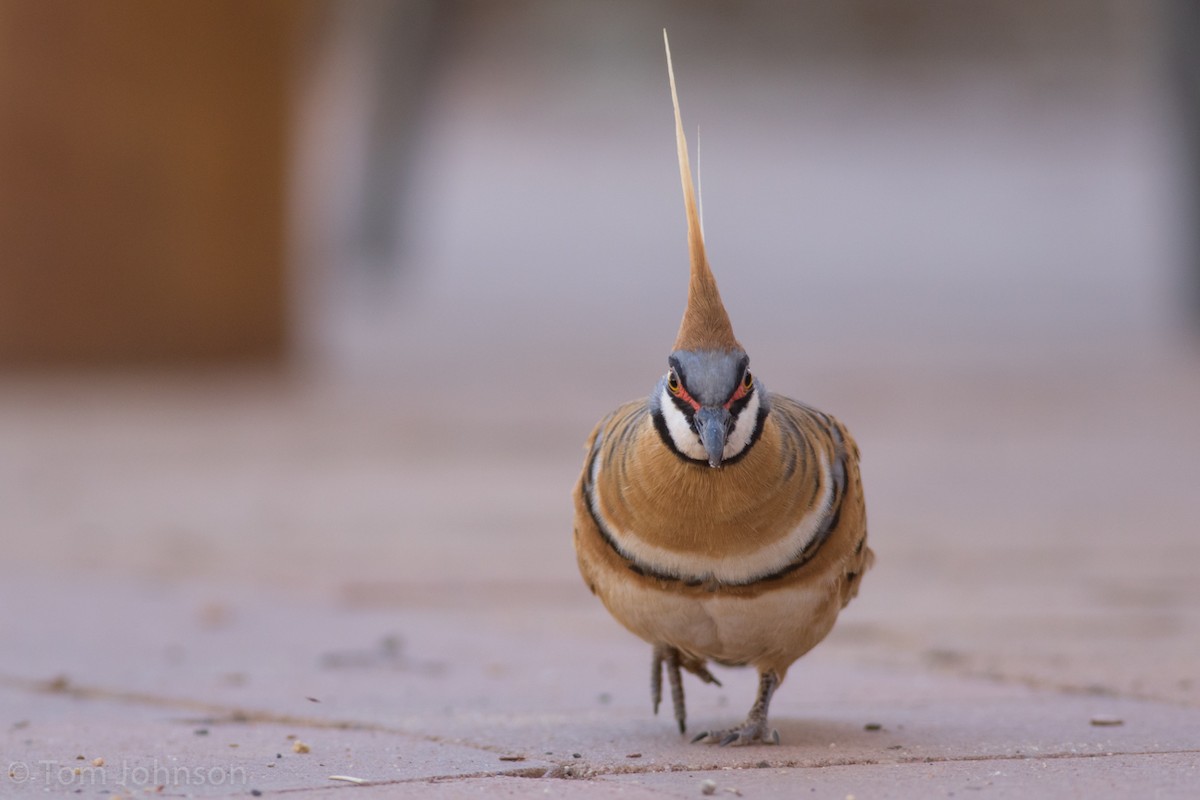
x=715 y=520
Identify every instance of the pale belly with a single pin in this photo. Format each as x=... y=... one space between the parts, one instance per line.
x=769 y=631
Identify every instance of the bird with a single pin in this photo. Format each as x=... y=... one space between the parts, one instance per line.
x=717 y=521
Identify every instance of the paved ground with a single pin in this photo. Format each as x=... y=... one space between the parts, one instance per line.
x=221 y=584
x=224 y=584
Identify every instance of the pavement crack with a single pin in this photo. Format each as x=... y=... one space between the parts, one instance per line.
x=220 y=714
x=962 y=666
x=585 y=771
x=524 y=772
x=1040 y=756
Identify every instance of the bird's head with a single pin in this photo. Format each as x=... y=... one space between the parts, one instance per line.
x=710 y=404
x=708 y=407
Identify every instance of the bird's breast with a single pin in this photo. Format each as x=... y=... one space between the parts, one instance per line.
x=731 y=524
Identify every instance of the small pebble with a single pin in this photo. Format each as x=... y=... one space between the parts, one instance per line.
x=256 y=792
x=97 y=762
x=633 y=755
x=299 y=747
x=708 y=786
x=1104 y=720
x=872 y=726
x=201 y=731
x=576 y=755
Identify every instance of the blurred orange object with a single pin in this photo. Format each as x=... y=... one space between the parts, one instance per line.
x=142 y=171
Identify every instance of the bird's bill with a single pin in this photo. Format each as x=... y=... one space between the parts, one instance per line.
x=713 y=425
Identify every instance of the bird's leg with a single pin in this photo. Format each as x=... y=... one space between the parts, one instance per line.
x=656 y=665
x=665 y=655
x=698 y=668
x=673 y=660
x=754 y=729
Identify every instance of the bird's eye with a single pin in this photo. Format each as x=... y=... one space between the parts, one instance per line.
x=673 y=382
x=747 y=381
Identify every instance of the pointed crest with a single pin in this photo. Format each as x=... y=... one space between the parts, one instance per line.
x=706 y=324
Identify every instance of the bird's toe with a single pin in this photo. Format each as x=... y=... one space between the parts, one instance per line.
x=750 y=733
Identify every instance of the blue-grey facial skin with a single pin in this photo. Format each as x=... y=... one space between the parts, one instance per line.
x=713 y=425
x=711 y=377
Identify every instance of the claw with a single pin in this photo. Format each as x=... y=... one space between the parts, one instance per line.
x=754 y=729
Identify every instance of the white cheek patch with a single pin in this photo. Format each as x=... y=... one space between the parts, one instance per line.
x=685 y=439
x=743 y=429
x=688 y=442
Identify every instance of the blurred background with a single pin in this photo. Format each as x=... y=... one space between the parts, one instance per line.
x=327 y=294
x=315 y=183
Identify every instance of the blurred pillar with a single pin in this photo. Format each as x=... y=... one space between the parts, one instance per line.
x=142 y=167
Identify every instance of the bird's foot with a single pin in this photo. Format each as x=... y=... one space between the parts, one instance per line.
x=751 y=732
x=754 y=729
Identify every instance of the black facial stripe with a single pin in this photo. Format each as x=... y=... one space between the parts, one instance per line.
x=758 y=426
x=736 y=406
x=660 y=425
x=683 y=406
x=686 y=408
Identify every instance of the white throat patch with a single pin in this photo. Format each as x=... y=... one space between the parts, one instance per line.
x=687 y=441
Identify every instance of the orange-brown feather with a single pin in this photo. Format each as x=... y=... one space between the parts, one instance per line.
x=706 y=324
x=645 y=484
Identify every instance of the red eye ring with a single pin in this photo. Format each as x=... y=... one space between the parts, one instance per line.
x=743 y=389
